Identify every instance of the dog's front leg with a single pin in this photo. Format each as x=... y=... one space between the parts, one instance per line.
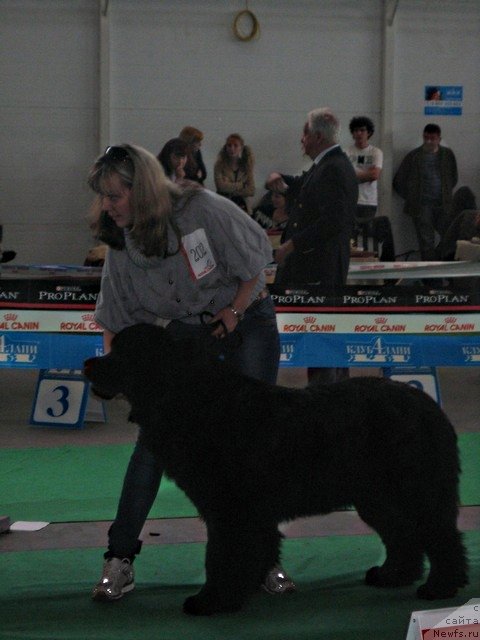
x=238 y=556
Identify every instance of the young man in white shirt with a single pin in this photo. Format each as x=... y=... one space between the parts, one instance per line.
x=367 y=161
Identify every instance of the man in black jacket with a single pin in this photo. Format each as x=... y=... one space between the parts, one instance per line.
x=426 y=178
x=315 y=245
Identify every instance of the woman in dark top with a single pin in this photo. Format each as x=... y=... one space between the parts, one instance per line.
x=173 y=158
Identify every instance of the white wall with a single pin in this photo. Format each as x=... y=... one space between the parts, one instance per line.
x=48 y=126
x=186 y=67
x=177 y=62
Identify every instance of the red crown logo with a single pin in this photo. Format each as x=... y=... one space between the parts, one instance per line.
x=309 y=319
x=88 y=317
x=380 y=320
x=10 y=316
x=450 y=320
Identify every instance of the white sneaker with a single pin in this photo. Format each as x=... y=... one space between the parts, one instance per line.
x=117 y=579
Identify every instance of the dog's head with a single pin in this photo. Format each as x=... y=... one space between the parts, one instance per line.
x=142 y=358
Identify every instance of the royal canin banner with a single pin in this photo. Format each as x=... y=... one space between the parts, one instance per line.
x=49 y=322
x=288 y=323
x=378 y=326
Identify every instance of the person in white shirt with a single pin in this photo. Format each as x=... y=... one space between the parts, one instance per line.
x=367 y=161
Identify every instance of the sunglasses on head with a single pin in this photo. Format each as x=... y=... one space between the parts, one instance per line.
x=116 y=154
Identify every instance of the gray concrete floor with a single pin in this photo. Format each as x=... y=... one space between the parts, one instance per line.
x=459 y=388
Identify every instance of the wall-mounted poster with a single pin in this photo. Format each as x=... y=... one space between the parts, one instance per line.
x=443 y=101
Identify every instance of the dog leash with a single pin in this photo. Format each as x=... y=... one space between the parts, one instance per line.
x=232 y=340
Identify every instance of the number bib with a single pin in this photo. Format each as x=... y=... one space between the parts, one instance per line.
x=198 y=254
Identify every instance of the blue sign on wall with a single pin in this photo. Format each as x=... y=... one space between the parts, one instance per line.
x=443 y=100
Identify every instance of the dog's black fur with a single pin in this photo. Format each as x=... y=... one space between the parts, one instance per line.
x=250 y=455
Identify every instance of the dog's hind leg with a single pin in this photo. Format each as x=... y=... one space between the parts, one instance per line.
x=402 y=567
x=404 y=555
x=239 y=555
x=448 y=564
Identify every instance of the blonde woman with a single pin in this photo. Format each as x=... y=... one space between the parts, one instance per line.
x=176 y=257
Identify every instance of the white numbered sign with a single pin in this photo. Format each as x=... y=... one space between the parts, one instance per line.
x=424 y=378
x=63 y=400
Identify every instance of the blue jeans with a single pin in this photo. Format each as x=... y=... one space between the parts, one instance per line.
x=256 y=353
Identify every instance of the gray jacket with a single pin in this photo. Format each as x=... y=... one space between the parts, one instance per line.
x=221 y=246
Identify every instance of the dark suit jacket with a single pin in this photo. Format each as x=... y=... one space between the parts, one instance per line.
x=322 y=204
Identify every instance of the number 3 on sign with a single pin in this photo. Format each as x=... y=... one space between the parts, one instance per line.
x=60 y=402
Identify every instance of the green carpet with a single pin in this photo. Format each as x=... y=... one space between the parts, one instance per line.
x=73 y=484
x=45 y=596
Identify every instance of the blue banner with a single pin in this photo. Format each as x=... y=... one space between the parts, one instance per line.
x=353 y=350
x=68 y=351
x=38 y=350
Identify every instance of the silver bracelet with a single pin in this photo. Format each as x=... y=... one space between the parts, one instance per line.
x=239 y=316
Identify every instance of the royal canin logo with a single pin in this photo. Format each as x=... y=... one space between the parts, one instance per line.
x=10 y=317
x=88 y=317
x=450 y=320
x=380 y=321
x=309 y=319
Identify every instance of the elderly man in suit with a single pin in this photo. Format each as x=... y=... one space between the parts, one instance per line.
x=315 y=245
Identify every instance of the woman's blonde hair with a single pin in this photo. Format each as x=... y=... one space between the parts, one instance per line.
x=152 y=197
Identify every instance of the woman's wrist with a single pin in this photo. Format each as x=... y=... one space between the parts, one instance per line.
x=239 y=315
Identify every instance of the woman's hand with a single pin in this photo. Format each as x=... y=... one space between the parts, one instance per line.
x=228 y=321
x=231 y=315
x=179 y=172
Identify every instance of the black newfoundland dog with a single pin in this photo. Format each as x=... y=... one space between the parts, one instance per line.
x=250 y=455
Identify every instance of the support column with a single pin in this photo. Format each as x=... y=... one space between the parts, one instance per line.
x=387 y=87
x=104 y=76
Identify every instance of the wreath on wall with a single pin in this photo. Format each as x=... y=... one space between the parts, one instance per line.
x=246 y=26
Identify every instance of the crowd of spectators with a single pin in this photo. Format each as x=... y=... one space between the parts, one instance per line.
x=425 y=180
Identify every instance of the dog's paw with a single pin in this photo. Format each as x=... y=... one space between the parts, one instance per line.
x=371 y=577
x=195 y=606
x=379 y=577
x=436 y=592
x=200 y=605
